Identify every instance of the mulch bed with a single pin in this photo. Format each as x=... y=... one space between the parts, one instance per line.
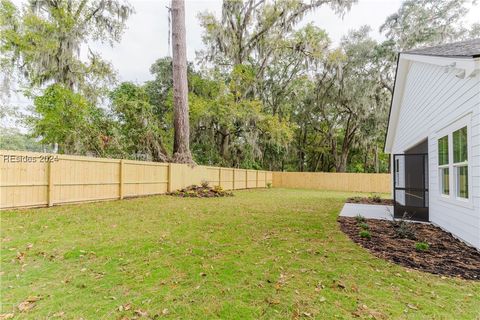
x=370 y=200
x=201 y=192
x=445 y=256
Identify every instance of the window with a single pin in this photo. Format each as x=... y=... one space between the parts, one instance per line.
x=460 y=162
x=443 y=167
x=453 y=163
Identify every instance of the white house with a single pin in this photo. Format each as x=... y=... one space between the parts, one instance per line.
x=434 y=137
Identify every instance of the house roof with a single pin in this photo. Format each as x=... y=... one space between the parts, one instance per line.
x=468 y=49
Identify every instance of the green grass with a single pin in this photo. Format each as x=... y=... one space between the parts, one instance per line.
x=264 y=254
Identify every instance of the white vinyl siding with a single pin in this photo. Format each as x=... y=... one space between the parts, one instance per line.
x=433 y=100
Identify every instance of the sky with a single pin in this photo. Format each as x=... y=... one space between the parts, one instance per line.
x=146 y=37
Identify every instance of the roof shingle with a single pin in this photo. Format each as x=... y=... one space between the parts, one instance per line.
x=469 y=48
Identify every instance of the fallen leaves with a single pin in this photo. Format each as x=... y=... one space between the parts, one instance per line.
x=141 y=313
x=6 y=316
x=28 y=304
x=20 y=257
x=59 y=314
x=319 y=287
x=282 y=280
x=272 y=301
x=363 y=310
x=125 y=307
x=341 y=285
x=412 y=306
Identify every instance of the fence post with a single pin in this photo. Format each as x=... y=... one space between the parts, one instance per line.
x=50 y=184
x=233 y=183
x=246 y=178
x=122 y=178
x=220 y=177
x=256 y=184
x=169 y=178
x=266 y=174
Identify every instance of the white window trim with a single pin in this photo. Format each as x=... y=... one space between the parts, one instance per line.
x=440 y=180
x=452 y=197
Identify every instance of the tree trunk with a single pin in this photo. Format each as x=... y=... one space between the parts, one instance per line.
x=341 y=161
x=181 y=123
x=377 y=161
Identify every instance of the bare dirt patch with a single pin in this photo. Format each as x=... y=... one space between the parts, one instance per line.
x=445 y=254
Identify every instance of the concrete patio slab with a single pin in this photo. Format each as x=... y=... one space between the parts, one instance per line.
x=369 y=211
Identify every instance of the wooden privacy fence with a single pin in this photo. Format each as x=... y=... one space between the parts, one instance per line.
x=358 y=182
x=29 y=179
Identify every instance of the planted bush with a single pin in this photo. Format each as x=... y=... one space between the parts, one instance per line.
x=403 y=228
x=364 y=226
x=359 y=218
x=422 y=246
x=365 y=234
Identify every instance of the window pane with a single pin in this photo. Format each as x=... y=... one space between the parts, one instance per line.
x=462 y=182
x=460 y=145
x=445 y=181
x=443 y=151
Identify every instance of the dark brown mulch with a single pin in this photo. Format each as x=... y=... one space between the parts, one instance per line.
x=201 y=192
x=445 y=256
x=370 y=200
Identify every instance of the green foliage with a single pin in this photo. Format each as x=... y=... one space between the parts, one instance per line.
x=269 y=94
x=43 y=41
x=140 y=127
x=228 y=126
x=403 y=228
x=364 y=226
x=66 y=118
x=365 y=234
x=12 y=139
x=422 y=246
x=359 y=218
x=428 y=22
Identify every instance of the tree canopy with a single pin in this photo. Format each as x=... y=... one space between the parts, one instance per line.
x=265 y=92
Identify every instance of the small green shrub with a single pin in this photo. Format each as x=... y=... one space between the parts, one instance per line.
x=422 y=246
x=360 y=218
x=376 y=198
x=204 y=183
x=364 y=226
x=365 y=234
x=269 y=185
x=403 y=228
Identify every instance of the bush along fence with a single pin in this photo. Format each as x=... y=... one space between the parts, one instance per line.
x=357 y=182
x=29 y=179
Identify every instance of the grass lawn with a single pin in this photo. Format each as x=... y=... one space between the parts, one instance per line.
x=268 y=254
